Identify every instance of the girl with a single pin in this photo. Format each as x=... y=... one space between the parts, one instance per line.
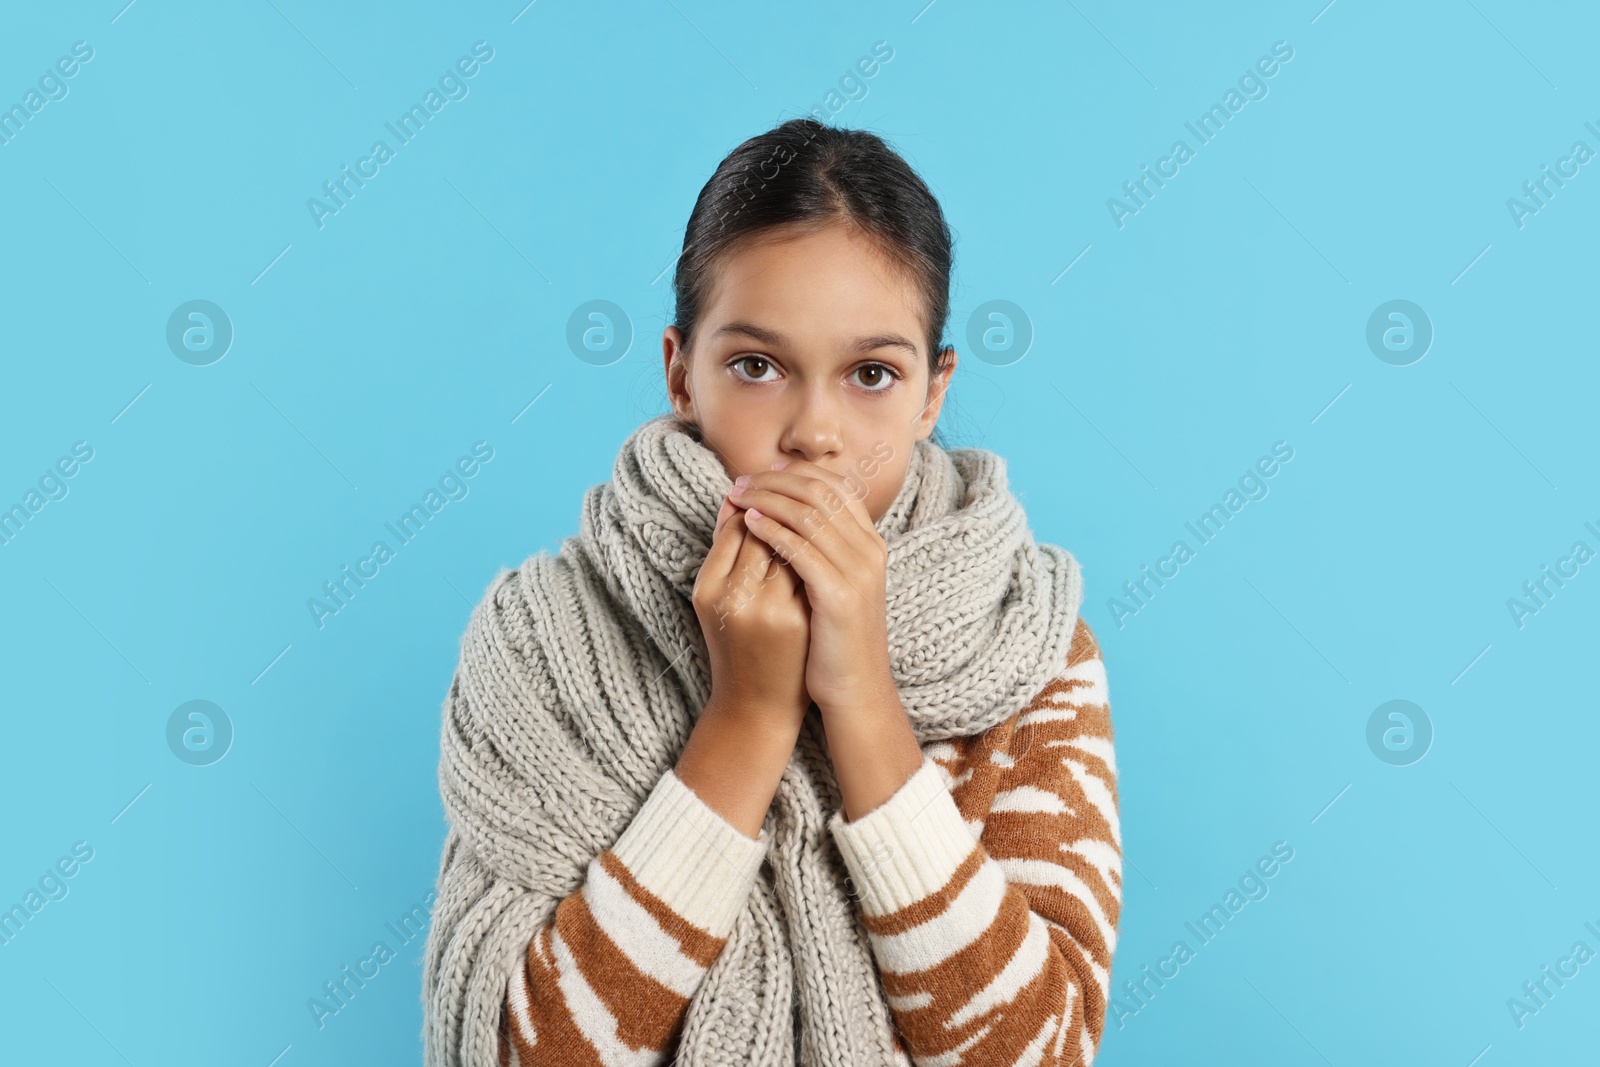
x=799 y=750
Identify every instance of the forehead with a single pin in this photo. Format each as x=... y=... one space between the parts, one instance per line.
x=830 y=282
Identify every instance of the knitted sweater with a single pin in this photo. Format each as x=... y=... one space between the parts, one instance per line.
x=990 y=885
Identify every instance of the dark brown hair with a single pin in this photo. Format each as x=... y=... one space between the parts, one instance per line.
x=806 y=175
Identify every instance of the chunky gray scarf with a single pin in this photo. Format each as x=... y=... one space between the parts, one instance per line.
x=581 y=676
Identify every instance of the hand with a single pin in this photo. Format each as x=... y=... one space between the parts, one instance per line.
x=756 y=623
x=819 y=524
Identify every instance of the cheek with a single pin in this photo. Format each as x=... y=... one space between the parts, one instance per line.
x=883 y=480
x=734 y=432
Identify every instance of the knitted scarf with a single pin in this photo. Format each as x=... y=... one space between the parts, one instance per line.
x=581 y=676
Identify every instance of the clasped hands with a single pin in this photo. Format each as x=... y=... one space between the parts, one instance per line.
x=791 y=600
x=816 y=524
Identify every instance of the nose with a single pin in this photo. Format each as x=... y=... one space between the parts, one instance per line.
x=813 y=431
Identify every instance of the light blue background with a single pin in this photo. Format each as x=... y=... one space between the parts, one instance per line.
x=1228 y=314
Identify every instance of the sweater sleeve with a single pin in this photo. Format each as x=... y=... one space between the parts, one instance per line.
x=996 y=948
x=609 y=978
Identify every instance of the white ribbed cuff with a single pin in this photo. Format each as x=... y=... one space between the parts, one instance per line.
x=683 y=850
x=907 y=848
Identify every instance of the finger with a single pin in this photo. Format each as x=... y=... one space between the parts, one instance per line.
x=749 y=579
x=782 y=577
x=849 y=493
x=725 y=546
x=810 y=565
x=754 y=560
x=841 y=540
x=821 y=511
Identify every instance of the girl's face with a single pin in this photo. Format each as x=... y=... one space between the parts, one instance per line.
x=810 y=348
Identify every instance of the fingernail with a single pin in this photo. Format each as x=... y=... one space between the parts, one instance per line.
x=742 y=481
x=751 y=513
x=782 y=463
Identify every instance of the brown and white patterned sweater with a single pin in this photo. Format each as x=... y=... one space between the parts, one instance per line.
x=990 y=884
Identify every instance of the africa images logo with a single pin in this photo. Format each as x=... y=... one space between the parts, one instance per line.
x=452 y=86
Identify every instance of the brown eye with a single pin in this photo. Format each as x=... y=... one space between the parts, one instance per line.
x=761 y=364
x=877 y=372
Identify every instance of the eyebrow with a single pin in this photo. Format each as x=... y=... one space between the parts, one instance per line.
x=861 y=345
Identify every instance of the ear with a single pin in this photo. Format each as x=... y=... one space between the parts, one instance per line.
x=938 y=387
x=675 y=371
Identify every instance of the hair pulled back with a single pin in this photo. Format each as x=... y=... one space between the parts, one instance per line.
x=806 y=175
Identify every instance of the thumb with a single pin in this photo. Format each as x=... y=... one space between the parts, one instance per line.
x=727 y=509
